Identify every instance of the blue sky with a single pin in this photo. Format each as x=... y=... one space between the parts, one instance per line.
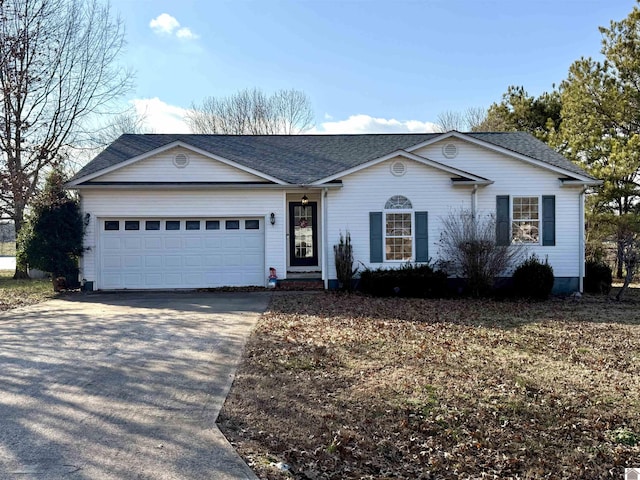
x=367 y=65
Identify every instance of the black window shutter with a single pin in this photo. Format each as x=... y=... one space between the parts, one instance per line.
x=422 y=237
x=548 y=220
x=375 y=237
x=503 y=220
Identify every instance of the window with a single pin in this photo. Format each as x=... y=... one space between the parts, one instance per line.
x=398 y=229
x=112 y=225
x=252 y=224
x=193 y=225
x=172 y=225
x=152 y=225
x=132 y=225
x=212 y=225
x=525 y=224
x=232 y=225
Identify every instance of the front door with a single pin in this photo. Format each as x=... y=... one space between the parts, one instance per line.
x=303 y=234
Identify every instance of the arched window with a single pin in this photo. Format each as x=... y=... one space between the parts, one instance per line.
x=398 y=202
x=398 y=229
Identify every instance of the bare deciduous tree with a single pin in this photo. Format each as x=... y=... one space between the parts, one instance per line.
x=252 y=112
x=469 y=120
x=57 y=69
x=469 y=250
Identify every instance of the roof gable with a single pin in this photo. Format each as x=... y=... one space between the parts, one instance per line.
x=460 y=174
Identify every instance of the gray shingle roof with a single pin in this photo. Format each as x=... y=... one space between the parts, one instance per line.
x=304 y=159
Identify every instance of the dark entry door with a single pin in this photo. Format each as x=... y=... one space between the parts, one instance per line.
x=303 y=234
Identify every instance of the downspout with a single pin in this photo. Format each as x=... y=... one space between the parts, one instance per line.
x=474 y=201
x=581 y=247
x=325 y=240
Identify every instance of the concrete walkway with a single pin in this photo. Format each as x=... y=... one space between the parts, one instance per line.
x=127 y=386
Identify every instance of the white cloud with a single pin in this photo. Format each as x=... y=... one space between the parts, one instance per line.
x=160 y=117
x=165 y=24
x=367 y=124
x=186 y=34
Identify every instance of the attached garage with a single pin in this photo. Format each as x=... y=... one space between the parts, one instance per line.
x=167 y=253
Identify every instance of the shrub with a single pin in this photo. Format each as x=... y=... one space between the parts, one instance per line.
x=598 y=277
x=410 y=280
x=469 y=250
x=343 y=253
x=533 y=279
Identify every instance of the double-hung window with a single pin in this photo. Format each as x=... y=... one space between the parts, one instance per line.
x=398 y=229
x=525 y=224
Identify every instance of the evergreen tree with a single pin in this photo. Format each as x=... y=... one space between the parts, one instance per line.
x=601 y=121
x=51 y=239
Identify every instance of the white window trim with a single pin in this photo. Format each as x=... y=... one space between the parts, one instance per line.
x=384 y=234
x=511 y=220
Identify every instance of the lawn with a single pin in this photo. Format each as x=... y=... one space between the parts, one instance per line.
x=17 y=293
x=350 y=387
x=8 y=249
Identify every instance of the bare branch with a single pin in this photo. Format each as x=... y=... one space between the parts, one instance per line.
x=252 y=112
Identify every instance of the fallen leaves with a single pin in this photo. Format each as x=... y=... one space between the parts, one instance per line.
x=347 y=386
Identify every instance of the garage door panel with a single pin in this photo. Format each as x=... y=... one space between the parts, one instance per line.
x=153 y=280
x=182 y=258
x=192 y=261
x=111 y=243
x=173 y=261
x=132 y=243
x=151 y=243
x=132 y=261
x=193 y=243
x=173 y=243
x=112 y=261
x=153 y=261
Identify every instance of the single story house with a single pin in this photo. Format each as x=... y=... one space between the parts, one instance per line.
x=195 y=211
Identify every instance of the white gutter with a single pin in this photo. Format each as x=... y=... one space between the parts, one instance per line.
x=325 y=240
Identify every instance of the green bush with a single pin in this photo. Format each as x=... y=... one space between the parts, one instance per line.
x=533 y=279
x=598 y=277
x=410 y=280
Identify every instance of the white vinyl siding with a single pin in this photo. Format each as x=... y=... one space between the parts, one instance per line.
x=160 y=168
x=368 y=190
x=514 y=177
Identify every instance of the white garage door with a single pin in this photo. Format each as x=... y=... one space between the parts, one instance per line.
x=181 y=253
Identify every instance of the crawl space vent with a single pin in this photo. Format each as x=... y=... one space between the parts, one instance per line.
x=398 y=169
x=181 y=160
x=450 y=150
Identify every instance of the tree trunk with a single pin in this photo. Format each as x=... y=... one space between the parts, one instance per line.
x=619 y=256
x=627 y=281
x=21 y=272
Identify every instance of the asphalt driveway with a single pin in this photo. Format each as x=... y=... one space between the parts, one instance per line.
x=127 y=386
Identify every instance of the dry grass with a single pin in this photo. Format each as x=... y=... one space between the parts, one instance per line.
x=8 y=249
x=18 y=293
x=350 y=387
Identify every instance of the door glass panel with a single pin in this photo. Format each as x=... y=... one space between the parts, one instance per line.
x=303 y=231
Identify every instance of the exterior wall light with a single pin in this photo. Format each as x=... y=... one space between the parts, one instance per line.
x=272 y=218
x=304 y=200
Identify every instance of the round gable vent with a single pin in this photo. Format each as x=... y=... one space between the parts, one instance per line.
x=181 y=160
x=450 y=150
x=398 y=168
